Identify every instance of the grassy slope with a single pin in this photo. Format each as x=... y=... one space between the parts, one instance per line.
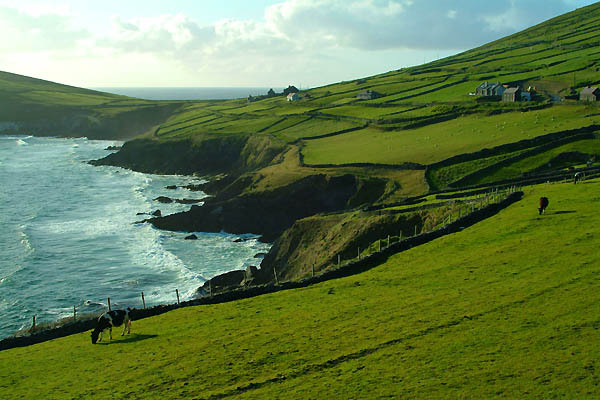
x=507 y=308
x=557 y=57
x=47 y=108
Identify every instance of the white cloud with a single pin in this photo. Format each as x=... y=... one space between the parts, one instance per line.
x=294 y=38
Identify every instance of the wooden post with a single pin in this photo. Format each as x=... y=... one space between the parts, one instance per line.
x=358 y=250
x=388 y=241
x=339 y=260
x=143 y=300
x=379 y=245
x=109 y=304
x=275 y=273
x=177 y=293
x=415 y=230
x=74 y=314
x=33 y=326
x=400 y=236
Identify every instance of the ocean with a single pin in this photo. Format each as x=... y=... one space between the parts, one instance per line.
x=69 y=235
x=187 y=93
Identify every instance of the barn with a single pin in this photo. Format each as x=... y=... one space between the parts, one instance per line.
x=589 y=94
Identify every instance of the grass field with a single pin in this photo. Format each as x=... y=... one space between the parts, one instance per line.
x=437 y=142
x=507 y=308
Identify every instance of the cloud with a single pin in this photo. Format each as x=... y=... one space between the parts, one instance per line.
x=294 y=37
x=41 y=30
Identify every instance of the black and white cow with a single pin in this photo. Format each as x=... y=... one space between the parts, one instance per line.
x=108 y=320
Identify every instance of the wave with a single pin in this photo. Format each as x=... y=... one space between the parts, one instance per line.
x=21 y=142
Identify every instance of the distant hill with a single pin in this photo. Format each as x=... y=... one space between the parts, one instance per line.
x=35 y=106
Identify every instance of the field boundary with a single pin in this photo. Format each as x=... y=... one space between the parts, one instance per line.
x=351 y=268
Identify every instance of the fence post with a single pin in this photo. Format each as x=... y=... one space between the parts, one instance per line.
x=143 y=300
x=379 y=245
x=388 y=241
x=109 y=304
x=400 y=236
x=358 y=250
x=339 y=259
x=177 y=293
x=74 y=314
x=415 y=230
x=33 y=326
x=275 y=273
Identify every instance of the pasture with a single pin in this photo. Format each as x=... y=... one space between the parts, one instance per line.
x=507 y=308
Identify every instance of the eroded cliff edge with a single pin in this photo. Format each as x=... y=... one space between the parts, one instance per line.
x=241 y=202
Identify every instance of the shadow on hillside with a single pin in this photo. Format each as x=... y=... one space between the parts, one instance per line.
x=128 y=339
x=564 y=212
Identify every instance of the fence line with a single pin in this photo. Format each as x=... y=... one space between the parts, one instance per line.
x=346 y=269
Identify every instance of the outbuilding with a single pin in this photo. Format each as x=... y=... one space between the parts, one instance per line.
x=368 y=95
x=512 y=94
x=293 y=97
x=589 y=94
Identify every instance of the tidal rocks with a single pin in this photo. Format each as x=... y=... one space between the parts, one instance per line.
x=171 y=187
x=164 y=199
x=156 y=213
x=191 y=237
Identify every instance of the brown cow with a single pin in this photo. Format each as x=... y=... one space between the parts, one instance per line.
x=543 y=204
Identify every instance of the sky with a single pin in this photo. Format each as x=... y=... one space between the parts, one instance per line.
x=248 y=43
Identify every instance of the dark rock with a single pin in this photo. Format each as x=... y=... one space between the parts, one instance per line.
x=260 y=255
x=156 y=213
x=113 y=148
x=171 y=187
x=187 y=201
x=238 y=240
x=224 y=281
x=191 y=237
x=140 y=213
x=163 y=199
x=249 y=275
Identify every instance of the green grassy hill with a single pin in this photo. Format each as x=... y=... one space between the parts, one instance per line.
x=43 y=108
x=426 y=114
x=508 y=308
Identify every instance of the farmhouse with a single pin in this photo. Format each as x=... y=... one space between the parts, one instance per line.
x=293 y=97
x=589 y=94
x=368 y=95
x=512 y=94
x=490 y=89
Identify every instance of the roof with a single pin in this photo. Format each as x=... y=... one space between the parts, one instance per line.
x=589 y=90
x=512 y=90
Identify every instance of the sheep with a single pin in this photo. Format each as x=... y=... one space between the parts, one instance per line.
x=110 y=319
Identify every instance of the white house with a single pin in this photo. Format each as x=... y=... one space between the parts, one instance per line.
x=293 y=97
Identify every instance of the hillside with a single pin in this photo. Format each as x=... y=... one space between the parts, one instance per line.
x=43 y=108
x=426 y=132
x=506 y=308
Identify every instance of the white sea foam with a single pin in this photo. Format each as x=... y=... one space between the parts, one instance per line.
x=21 y=142
x=72 y=232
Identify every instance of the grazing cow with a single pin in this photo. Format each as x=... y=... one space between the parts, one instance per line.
x=110 y=319
x=543 y=204
x=579 y=176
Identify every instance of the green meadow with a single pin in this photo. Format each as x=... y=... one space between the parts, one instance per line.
x=508 y=308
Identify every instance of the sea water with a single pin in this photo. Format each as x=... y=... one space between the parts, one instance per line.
x=188 y=93
x=69 y=235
